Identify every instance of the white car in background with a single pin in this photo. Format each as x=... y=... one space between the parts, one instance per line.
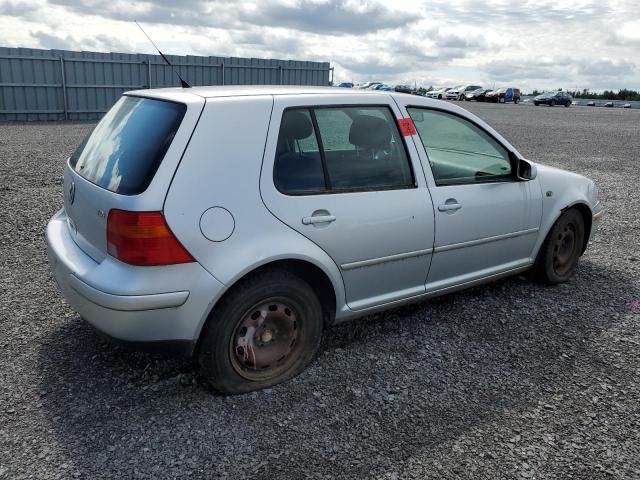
x=458 y=93
x=438 y=93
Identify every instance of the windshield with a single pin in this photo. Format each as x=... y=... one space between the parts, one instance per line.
x=125 y=149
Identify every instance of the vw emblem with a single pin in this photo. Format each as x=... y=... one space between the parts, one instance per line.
x=72 y=193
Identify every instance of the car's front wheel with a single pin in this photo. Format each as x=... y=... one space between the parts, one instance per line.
x=561 y=250
x=264 y=332
x=552 y=103
x=517 y=100
x=536 y=103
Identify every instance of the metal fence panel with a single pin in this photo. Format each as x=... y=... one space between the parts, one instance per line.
x=40 y=84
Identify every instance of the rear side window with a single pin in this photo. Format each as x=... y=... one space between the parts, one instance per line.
x=334 y=149
x=124 y=151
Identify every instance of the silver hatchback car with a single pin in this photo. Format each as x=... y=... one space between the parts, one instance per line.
x=238 y=222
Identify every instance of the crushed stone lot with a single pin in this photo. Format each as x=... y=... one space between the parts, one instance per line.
x=507 y=380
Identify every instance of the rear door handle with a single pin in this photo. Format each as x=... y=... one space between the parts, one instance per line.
x=318 y=219
x=449 y=207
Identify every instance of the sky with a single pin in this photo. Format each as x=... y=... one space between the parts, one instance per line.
x=528 y=44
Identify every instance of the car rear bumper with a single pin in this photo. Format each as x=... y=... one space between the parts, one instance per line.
x=128 y=303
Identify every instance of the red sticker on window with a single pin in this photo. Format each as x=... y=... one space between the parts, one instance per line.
x=407 y=127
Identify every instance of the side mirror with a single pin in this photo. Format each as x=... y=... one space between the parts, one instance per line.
x=526 y=170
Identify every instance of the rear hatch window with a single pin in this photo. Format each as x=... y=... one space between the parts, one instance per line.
x=123 y=152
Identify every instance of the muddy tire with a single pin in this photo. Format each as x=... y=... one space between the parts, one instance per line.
x=561 y=250
x=265 y=331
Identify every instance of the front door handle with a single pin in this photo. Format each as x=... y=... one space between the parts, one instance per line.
x=448 y=207
x=318 y=219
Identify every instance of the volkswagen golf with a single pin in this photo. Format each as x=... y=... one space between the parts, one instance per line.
x=237 y=223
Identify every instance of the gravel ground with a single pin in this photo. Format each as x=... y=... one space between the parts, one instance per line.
x=508 y=380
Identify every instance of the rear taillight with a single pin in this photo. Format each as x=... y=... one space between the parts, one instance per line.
x=143 y=238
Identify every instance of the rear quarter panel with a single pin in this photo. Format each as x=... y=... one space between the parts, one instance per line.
x=221 y=168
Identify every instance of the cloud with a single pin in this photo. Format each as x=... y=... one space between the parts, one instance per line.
x=18 y=8
x=373 y=65
x=626 y=34
x=189 y=12
x=328 y=17
x=534 y=43
x=564 y=70
x=605 y=67
x=100 y=42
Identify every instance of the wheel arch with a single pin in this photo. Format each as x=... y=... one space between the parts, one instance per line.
x=586 y=213
x=587 y=216
x=310 y=272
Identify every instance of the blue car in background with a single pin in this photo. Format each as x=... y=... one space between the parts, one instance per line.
x=504 y=95
x=345 y=85
x=553 y=98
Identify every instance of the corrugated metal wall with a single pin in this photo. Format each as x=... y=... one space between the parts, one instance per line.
x=61 y=84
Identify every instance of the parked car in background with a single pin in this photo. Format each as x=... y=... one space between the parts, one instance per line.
x=345 y=85
x=368 y=85
x=608 y=104
x=363 y=201
x=477 y=95
x=438 y=93
x=504 y=95
x=591 y=103
x=403 y=89
x=553 y=98
x=458 y=93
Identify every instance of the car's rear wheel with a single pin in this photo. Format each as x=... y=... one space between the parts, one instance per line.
x=552 y=103
x=568 y=104
x=517 y=100
x=561 y=250
x=264 y=332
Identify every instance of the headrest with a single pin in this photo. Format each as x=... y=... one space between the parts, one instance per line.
x=296 y=126
x=369 y=132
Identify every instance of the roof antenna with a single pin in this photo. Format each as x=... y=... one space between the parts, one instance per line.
x=183 y=83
